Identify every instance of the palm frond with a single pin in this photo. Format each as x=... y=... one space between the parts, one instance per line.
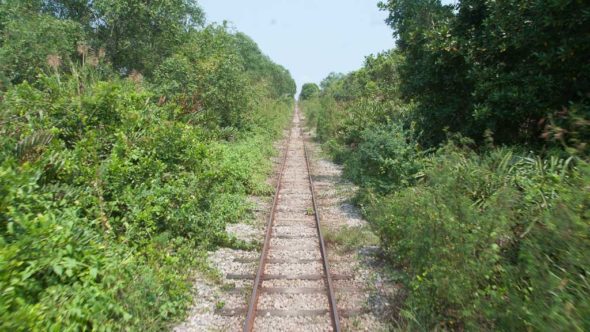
x=33 y=144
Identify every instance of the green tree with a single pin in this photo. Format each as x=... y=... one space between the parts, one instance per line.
x=502 y=67
x=207 y=78
x=31 y=40
x=527 y=61
x=138 y=37
x=434 y=72
x=261 y=68
x=308 y=91
x=330 y=79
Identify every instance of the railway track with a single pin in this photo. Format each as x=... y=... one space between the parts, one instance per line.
x=290 y=286
x=293 y=287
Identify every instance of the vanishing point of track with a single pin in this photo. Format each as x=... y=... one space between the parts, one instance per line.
x=294 y=252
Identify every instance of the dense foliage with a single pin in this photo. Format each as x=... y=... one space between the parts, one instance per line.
x=469 y=141
x=123 y=156
x=510 y=67
x=309 y=90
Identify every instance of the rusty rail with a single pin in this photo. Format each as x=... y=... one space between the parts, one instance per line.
x=257 y=289
x=253 y=304
x=330 y=287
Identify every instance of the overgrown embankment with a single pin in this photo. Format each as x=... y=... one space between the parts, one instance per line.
x=123 y=156
x=469 y=141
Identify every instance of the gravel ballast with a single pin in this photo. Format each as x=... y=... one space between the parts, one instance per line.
x=294 y=252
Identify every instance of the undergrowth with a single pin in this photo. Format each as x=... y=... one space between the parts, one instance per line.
x=484 y=237
x=112 y=193
x=347 y=239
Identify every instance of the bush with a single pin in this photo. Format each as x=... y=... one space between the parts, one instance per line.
x=109 y=198
x=489 y=238
x=385 y=159
x=491 y=242
x=27 y=43
x=50 y=256
x=308 y=91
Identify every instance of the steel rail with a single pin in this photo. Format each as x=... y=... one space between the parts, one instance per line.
x=253 y=304
x=257 y=288
x=330 y=288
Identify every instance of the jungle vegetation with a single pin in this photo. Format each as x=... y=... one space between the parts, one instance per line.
x=130 y=136
x=469 y=140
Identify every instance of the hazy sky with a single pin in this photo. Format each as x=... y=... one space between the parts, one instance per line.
x=311 y=38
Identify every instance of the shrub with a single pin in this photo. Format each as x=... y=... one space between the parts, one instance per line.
x=29 y=41
x=490 y=238
x=108 y=199
x=385 y=159
x=490 y=242
x=308 y=91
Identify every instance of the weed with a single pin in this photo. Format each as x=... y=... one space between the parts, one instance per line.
x=219 y=305
x=228 y=287
x=346 y=239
